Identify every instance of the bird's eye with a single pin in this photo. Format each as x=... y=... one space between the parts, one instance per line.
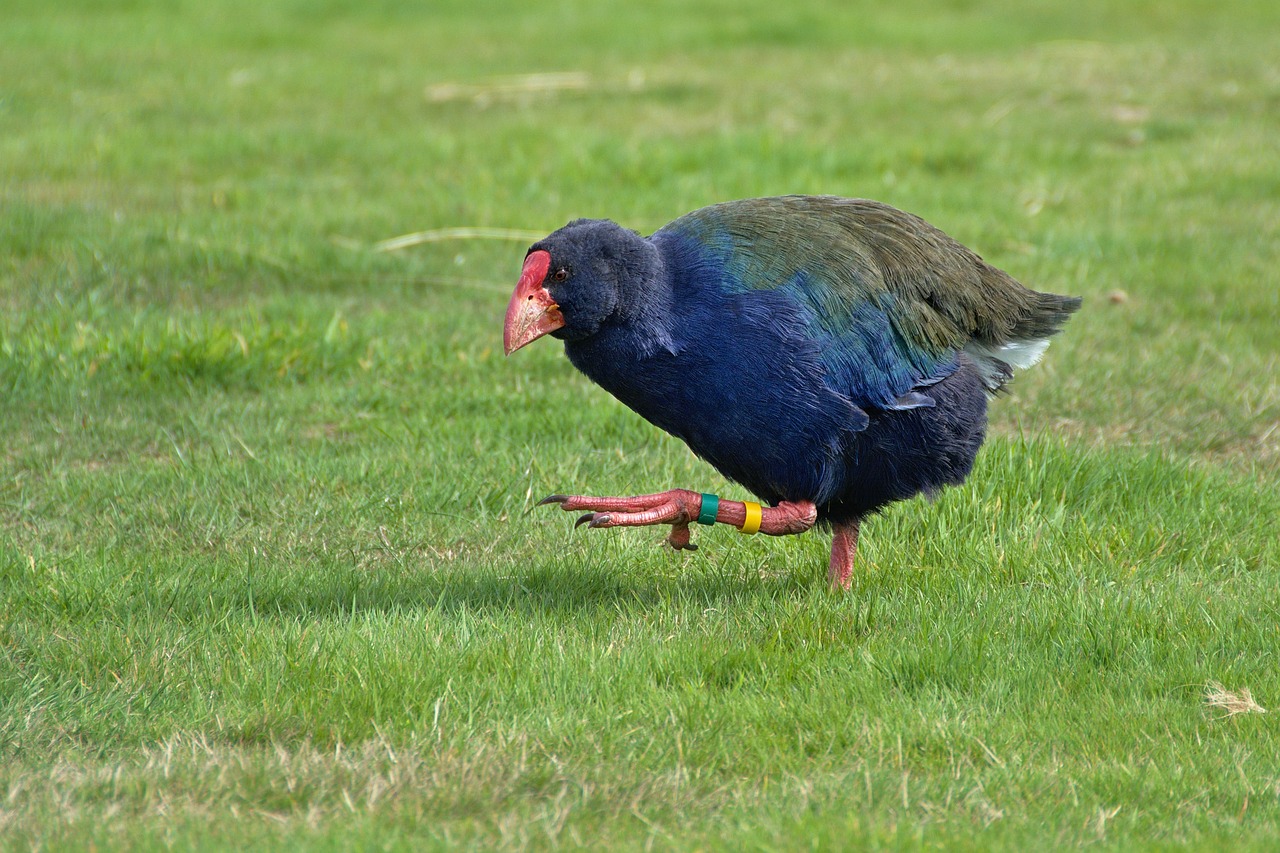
x=561 y=274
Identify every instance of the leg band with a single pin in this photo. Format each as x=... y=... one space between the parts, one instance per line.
x=710 y=506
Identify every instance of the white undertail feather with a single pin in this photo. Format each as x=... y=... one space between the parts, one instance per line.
x=997 y=363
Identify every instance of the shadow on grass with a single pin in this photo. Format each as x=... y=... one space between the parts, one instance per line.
x=550 y=590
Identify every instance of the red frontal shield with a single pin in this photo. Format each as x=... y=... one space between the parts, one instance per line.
x=532 y=312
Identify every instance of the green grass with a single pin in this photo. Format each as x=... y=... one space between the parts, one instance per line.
x=270 y=571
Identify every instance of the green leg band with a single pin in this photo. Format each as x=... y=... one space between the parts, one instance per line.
x=710 y=506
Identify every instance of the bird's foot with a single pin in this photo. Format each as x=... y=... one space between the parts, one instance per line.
x=677 y=507
x=681 y=507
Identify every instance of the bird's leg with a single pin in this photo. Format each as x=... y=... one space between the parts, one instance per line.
x=844 y=547
x=679 y=508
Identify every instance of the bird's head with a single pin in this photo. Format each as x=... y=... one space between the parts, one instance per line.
x=575 y=280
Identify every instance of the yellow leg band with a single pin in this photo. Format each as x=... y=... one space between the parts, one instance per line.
x=752 y=522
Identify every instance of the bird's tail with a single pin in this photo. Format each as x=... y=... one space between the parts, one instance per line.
x=1048 y=313
x=1027 y=340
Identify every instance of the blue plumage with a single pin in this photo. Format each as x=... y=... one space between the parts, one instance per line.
x=754 y=385
x=820 y=351
x=864 y=355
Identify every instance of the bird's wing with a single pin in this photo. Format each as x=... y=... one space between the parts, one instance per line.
x=891 y=300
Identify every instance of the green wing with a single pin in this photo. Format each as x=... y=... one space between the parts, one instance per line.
x=892 y=300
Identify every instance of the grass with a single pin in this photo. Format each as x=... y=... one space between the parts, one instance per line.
x=270 y=573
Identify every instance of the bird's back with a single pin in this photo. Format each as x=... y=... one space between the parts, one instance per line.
x=890 y=295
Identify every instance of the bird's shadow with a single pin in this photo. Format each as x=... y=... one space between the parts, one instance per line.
x=536 y=591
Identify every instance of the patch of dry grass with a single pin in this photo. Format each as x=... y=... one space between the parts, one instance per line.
x=1233 y=702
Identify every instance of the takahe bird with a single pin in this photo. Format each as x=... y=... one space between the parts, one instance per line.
x=832 y=355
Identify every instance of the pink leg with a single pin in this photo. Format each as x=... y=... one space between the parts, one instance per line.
x=679 y=507
x=844 y=547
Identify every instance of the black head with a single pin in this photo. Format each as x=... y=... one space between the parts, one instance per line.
x=577 y=279
x=596 y=268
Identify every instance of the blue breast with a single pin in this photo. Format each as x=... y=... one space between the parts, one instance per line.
x=739 y=382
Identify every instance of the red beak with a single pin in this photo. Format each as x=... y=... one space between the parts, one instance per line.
x=532 y=312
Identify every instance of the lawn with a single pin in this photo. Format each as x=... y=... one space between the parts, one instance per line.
x=271 y=572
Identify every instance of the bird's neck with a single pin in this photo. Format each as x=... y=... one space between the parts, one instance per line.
x=645 y=310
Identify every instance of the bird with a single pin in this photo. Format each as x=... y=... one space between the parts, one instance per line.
x=831 y=355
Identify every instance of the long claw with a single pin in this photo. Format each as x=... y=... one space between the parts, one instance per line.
x=583 y=519
x=552 y=499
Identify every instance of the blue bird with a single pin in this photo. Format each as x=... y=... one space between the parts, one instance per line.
x=831 y=355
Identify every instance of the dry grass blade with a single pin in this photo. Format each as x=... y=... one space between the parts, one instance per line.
x=437 y=235
x=521 y=84
x=1233 y=702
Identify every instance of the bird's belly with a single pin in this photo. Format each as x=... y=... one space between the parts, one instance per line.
x=771 y=425
x=776 y=428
